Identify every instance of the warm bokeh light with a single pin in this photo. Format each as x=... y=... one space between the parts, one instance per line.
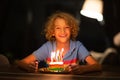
x=116 y=39
x=93 y=9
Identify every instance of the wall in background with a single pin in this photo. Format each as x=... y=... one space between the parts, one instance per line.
x=22 y=22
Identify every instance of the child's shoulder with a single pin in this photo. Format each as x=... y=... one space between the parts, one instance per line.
x=49 y=43
x=76 y=42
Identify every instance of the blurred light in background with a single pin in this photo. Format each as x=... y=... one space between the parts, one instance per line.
x=93 y=9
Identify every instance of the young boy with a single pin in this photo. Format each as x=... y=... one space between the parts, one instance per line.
x=61 y=30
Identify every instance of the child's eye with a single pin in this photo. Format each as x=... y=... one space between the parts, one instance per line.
x=57 y=28
x=67 y=27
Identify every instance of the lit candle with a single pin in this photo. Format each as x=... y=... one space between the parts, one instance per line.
x=61 y=54
x=52 y=56
x=56 y=57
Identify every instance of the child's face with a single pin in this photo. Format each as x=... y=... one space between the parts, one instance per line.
x=62 y=31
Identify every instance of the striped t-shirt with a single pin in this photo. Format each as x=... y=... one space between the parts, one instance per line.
x=77 y=52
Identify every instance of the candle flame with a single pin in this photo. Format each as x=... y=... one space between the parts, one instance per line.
x=56 y=57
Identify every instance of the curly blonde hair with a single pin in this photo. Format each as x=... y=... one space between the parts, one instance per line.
x=70 y=20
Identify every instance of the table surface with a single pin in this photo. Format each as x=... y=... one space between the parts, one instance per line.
x=14 y=73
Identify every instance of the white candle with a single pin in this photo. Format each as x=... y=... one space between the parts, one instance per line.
x=61 y=54
x=52 y=56
x=57 y=56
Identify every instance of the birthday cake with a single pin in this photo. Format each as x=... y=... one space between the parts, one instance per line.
x=56 y=67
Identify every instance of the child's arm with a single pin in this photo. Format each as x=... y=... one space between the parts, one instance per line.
x=92 y=65
x=28 y=63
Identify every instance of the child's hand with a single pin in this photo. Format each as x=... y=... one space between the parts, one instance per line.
x=33 y=66
x=75 y=69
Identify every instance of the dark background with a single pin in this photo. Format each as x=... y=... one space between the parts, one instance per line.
x=22 y=23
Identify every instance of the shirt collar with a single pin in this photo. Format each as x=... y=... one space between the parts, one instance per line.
x=72 y=45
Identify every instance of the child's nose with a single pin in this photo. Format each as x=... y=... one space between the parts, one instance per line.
x=63 y=30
